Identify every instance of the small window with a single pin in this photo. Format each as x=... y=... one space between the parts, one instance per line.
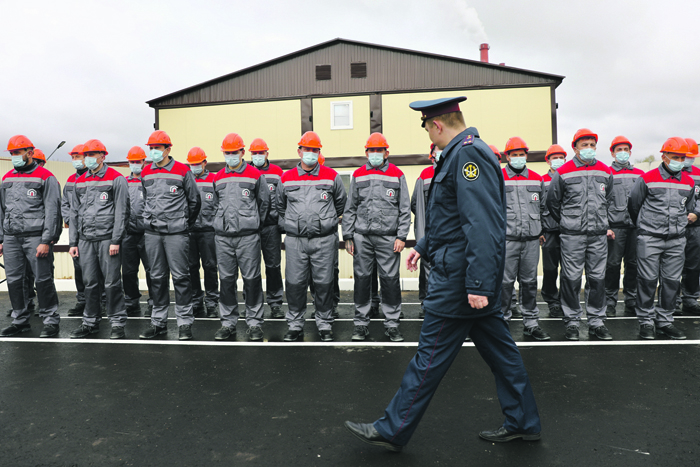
x=345 y=178
x=323 y=72
x=358 y=70
x=341 y=115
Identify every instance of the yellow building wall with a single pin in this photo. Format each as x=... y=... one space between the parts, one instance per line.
x=498 y=114
x=277 y=122
x=342 y=142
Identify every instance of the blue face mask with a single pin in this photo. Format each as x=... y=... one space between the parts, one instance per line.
x=675 y=166
x=135 y=168
x=197 y=169
x=556 y=163
x=309 y=158
x=232 y=160
x=518 y=162
x=156 y=155
x=18 y=161
x=375 y=158
x=587 y=154
x=91 y=163
x=258 y=160
x=622 y=157
x=77 y=165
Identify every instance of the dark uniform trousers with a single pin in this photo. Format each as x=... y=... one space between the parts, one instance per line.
x=96 y=261
x=242 y=253
x=624 y=246
x=203 y=245
x=551 y=257
x=690 y=285
x=423 y=280
x=271 y=243
x=579 y=252
x=18 y=252
x=440 y=341
x=133 y=251
x=168 y=255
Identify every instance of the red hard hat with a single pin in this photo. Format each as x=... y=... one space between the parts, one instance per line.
x=39 y=155
x=136 y=154
x=495 y=151
x=159 y=138
x=19 y=142
x=196 y=155
x=514 y=144
x=258 y=144
x=692 y=148
x=232 y=142
x=310 y=140
x=78 y=149
x=376 y=140
x=676 y=145
x=554 y=149
x=94 y=145
x=619 y=140
x=583 y=133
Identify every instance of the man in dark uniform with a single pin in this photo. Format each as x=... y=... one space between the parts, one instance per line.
x=467 y=199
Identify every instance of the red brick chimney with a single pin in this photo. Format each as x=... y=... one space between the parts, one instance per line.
x=484 y=48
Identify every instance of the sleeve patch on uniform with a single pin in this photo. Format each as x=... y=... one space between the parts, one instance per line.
x=470 y=171
x=468 y=140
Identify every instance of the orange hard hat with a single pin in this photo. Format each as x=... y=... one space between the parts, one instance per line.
x=78 y=149
x=376 y=140
x=159 y=137
x=321 y=159
x=196 y=156
x=19 y=142
x=514 y=144
x=554 y=149
x=94 y=145
x=619 y=140
x=136 y=154
x=310 y=140
x=692 y=148
x=676 y=145
x=258 y=144
x=583 y=133
x=39 y=155
x=233 y=142
x=495 y=151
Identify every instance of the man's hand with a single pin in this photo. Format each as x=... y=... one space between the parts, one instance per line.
x=399 y=245
x=412 y=260
x=73 y=252
x=478 y=301
x=692 y=218
x=542 y=240
x=113 y=250
x=42 y=251
x=611 y=235
x=350 y=247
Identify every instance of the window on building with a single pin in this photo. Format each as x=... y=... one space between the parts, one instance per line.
x=345 y=178
x=341 y=115
x=323 y=72
x=358 y=70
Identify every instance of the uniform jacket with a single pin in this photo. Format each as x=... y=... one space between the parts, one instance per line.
x=660 y=202
x=68 y=194
x=244 y=199
x=465 y=234
x=578 y=197
x=30 y=204
x=525 y=202
x=548 y=222
x=378 y=203
x=624 y=177
x=694 y=173
x=273 y=176
x=100 y=207
x=419 y=200
x=136 y=203
x=210 y=202
x=310 y=203
x=172 y=198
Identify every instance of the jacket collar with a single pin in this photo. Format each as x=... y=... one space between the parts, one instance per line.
x=383 y=167
x=618 y=167
x=665 y=174
x=203 y=175
x=239 y=170
x=99 y=174
x=314 y=172
x=169 y=166
x=512 y=173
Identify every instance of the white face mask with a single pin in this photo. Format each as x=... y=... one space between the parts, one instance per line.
x=135 y=168
x=556 y=163
x=310 y=158
x=232 y=160
x=518 y=162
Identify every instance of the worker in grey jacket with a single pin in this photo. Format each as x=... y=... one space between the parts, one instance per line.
x=551 y=243
x=172 y=206
x=375 y=223
x=98 y=217
x=310 y=202
x=30 y=224
x=243 y=202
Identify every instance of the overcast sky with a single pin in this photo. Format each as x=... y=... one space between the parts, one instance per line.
x=75 y=70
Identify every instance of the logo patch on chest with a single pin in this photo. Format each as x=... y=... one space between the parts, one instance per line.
x=104 y=196
x=684 y=200
x=470 y=171
x=271 y=186
x=324 y=196
x=31 y=193
x=535 y=197
x=245 y=193
x=697 y=190
x=390 y=193
x=209 y=196
x=173 y=189
x=602 y=187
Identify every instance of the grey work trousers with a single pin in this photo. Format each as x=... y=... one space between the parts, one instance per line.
x=659 y=261
x=18 y=252
x=203 y=247
x=624 y=246
x=134 y=252
x=312 y=258
x=690 y=282
x=579 y=252
x=168 y=254
x=336 y=285
x=551 y=257
x=232 y=254
x=96 y=262
x=271 y=244
x=521 y=265
x=376 y=251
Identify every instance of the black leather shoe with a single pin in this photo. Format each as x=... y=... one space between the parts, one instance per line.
x=571 y=333
x=555 y=311
x=421 y=314
x=255 y=333
x=691 y=310
x=148 y=312
x=601 y=332
x=277 y=312
x=225 y=333
x=83 y=331
x=117 y=333
x=501 y=435
x=394 y=334
x=185 y=332
x=294 y=335
x=515 y=313
x=134 y=310
x=154 y=331
x=630 y=311
x=646 y=331
x=536 y=333
x=326 y=335
x=211 y=312
x=334 y=313
x=77 y=310
x=9 y=312
x=610 y=311
x=360 y=333
x=50 y=330
x=671 y=331
x=14 y=329
x=373 y=312
x=199 y=311
x=366 y=432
